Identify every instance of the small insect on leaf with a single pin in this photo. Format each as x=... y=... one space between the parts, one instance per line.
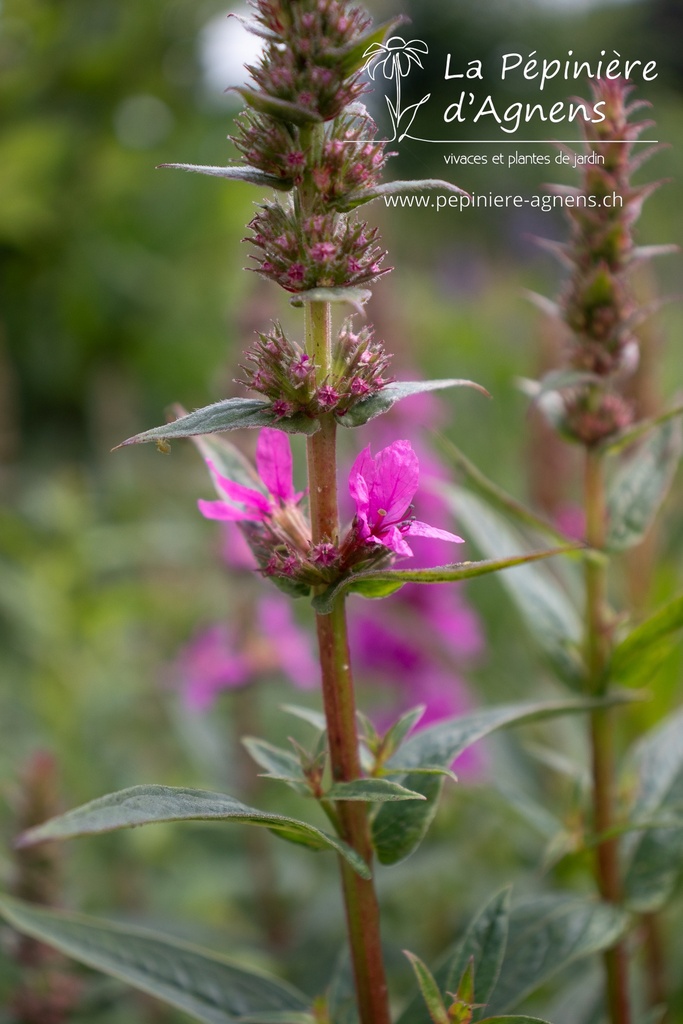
x=163 y=446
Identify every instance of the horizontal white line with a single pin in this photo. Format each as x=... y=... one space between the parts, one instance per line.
x=534 y=142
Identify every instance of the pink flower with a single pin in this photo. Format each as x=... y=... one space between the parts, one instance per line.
x=232 y=656
x=241 y=503
x=383 y=489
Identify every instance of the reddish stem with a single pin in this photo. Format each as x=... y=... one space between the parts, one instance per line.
x=362 y=910
x=607 y=870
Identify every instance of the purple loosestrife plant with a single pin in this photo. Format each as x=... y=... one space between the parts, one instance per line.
x=628 y=468
x=599 y=308
x=306 y=137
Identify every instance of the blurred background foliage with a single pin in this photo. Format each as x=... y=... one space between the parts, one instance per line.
x=122 y=291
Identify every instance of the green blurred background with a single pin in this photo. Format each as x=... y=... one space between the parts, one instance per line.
x=122 y=291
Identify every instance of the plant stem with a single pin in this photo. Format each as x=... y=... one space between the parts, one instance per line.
x=602 y=730
x=362 y=910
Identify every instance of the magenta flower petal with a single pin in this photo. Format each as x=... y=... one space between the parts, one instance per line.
x=362 y=470
x=255 y=503
x=383 y=489
x=418 y=529
x=396 y=476
x=224 y=511
x=274 y=463
x=393 y=538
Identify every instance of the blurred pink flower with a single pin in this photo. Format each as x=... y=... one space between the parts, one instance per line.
x=383 y=489
x=274 y=465
x=229 y=656
x=571 y=519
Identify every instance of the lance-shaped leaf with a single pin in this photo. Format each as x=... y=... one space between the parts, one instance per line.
x=310 y=715
x=374 y=791
x=256 y=29
x=383 y=400
x=210 y=987
x=236 y=173
x=227 y=459
x=400 y=730
x=545 y=607
x=546 y=935
x=352 y=57
x=637 y=658
x=442 y=743
x=483 y=945
x=515 y=1019
x=429 y=990
x=341 y=995
x=495 y=495
x=279 y=764
x=654 y=858
x=274 y=107
x=353 y=200
x=378 y=583
x=229 y=414
x=395 y=835
x=632 y=434
x=399 y=829
x=145 y=805
x=559 y=380
x=640 y=486
x=355 y=297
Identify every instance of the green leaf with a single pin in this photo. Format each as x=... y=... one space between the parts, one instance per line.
x=399 y=829
x=357 y=582
x=310 y=715
x=273 y=107
x=210 y=987
x=381 y=402
x=398 y=732
x=253 y=26
x=494 y=494
x=425 y=770
x=230 y=414
x=341 y=994
x=429 y=989
x=547 y=611
x=515 y=1020
x=356 y=297
x=353 y=200
x=353 y=57
x=636 y=659
x=654 y=858
x=371 y=791
x=640 y=486
x=483 y=944
x=279 y=1017
x=239 y=173
x=558 y=380
x=279 y=764
x=374 y=590
x=443 y=743
x=627 y=437
x=226 y=457
x=144 y=805
x=546 y=935
x=464 y=995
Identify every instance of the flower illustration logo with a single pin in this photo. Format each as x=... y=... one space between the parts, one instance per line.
x=395 y=58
